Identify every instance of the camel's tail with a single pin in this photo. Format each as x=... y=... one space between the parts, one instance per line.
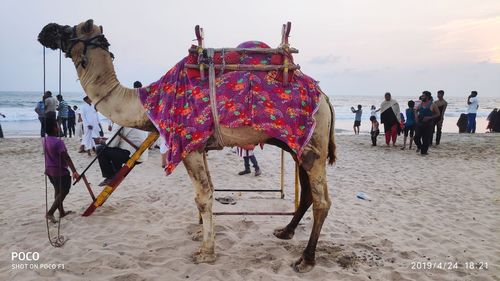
x=332 y=149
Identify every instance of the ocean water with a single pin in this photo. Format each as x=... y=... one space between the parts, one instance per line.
x=22 y=121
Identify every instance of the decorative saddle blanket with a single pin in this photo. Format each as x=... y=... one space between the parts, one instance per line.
x=178 y=104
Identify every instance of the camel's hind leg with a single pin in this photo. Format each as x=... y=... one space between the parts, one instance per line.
x=305 y=202
x=198 y=172
x=321 y=206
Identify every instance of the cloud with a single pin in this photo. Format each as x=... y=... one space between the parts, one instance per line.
x=469 y=39
x=322 y=60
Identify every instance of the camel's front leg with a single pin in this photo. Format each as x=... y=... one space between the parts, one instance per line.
x=204 y=198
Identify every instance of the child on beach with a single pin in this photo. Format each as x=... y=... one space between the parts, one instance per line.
x=57 y=161
x=373 y=111
x=374 y=131
x=409 y=124
x=247 y=154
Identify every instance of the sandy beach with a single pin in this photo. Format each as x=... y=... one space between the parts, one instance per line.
x=423 y=211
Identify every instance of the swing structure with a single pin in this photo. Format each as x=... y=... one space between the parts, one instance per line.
x=281 y=191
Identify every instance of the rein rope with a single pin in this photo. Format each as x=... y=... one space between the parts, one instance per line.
x=59 y=240
x=213 y=101
x=98 y=41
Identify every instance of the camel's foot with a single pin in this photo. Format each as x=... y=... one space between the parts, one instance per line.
x=302 y=265
x=284 y=233
x=201 y=256
x=197 y=235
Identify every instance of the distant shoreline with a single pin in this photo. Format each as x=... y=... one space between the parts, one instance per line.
x=30 y=128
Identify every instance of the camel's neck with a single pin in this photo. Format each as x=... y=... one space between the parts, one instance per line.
x=118 y=103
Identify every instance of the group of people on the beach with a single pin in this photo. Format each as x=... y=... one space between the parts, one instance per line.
x=57 y=108
x=419 y=121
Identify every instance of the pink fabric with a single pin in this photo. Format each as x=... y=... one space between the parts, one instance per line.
x=178 y=105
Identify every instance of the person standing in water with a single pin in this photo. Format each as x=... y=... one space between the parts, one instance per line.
x=357 y=118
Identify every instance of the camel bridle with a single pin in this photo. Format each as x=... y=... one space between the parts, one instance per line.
x=98 y=41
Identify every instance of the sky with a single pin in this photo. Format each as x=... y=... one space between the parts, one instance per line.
x=353 y=47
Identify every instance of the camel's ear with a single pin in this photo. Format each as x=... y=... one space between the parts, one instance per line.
x=88 y=26
x=102 y=31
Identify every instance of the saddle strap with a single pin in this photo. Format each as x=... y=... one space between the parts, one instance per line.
x=213 y=100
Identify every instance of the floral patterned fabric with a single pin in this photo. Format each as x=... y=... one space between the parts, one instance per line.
x=179 y=105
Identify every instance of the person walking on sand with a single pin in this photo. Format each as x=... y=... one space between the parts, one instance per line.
x=62 y=116
x=90 y=125
x=374 y=132
x=409 y=124
x=50 y=105
x=357 y=118
x=427 y=111
x=57 y=162
x=248 y=155
x=441 y=104
x=40 y=110
x=390 y=117
x=472 y=106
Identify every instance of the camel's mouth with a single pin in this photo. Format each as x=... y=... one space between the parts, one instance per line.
x=55 y=36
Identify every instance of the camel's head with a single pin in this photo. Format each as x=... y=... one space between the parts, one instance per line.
x=73 y=41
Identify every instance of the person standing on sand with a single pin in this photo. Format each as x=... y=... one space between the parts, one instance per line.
x=491 y=120
x=50 y=105
x=409 y=124
x=90 y=126
x=62 y=116
x=40 y=110
x=248 y=155
x=57 y=162
x=374 y=132
x=462 y=123
x=472 y=106
x=1 y=131
x=71 y=122
x=427 y=112
x=357 y=118
x=79 y=124
x=389 y=116
x=441 y=104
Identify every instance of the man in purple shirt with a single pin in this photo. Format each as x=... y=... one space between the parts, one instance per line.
x=57 y=161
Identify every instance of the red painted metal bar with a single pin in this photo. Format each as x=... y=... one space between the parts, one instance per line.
x=253 y=213
x=120 y=176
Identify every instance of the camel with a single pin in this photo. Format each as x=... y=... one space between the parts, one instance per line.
x=86 y=45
